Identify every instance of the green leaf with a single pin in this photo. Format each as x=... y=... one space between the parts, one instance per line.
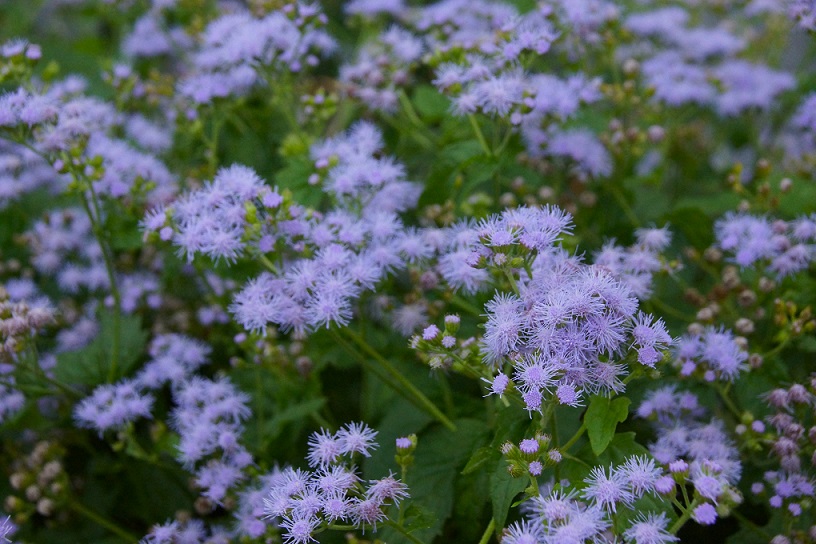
x=295 y=412
x=439 y=456
x=621 y=448
x=91 y=364
x=416 y=518
x=695 y=225
x=430 y=103
x=458 y=153
x=503 y=489
x=479 y=458
x=602 y=418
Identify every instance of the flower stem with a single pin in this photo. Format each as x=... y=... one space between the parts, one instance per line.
x=95 y=217
x=578 y=434
x=479 y=136
x=401 y=530
x=488 y=531
x=684 y=517
x=104 y=522
x=627 y=210
x=268 y=264
x=391 y=376
x=728 y=402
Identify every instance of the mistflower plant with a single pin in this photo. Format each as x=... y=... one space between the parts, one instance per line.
x=332 y=494
x=467 y=271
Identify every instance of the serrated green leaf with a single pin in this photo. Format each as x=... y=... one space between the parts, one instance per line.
x=602 y=418
x=91 y=364
x=503 y=489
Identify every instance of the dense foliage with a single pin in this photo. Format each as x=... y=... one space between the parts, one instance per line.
x=470 y=271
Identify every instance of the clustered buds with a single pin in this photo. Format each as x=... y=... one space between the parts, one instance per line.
x=19 y=322
x=40 y=483
x=531 y=456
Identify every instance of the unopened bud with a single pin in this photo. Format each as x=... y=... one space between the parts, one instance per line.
x=785 y=185
x=744 y=325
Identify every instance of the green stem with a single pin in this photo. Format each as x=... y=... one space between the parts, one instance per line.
x=685 y=494
x=268 y=264
x=386 y=371
x=512 y=280
x=684 y=517
x=491 y=527
x=751 y=525
x=627 y=210
x=259 y=416
x=668 y=310
x=401 y=530
x=212 y=144
x=320 y=420
x=779 y=347
x=420 y=138
x=556 y=468
x=728 y=402
x=466 y=306
x=334 y=527
x=409 y=109
x=578 y=434
x=505 y=141
x=106 y=523
x=95 y=217
x=479 y=136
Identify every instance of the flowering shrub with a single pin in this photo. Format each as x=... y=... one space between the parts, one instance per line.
x=470 y=271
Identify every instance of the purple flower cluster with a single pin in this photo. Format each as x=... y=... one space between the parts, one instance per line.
x=61 y=119
x=786 y=246
x=237 y=48
x=467 y=250
x=693 y=447
x=174 y=359
x=112 y=406
x=64 y=246
x=352 y=247
x=798 y=141
x=565 y=330
x=586 y=154
x=152 y=36
x=698 y=65
x=713 y=354
x=476 y=51
x=23 y=171
x=791 y=442
x=302 y=502
x=7 y=528
x=803 y=12
x=636 y=265
x=217 y=219
x=208 y=417
x=191 y=531
x=381 y=68
x=584 y=512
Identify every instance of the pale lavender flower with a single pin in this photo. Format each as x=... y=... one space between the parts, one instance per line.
x=649 y=529
x=112 y=406
x=608 y=490
x=7 y=528
x=705 y=514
